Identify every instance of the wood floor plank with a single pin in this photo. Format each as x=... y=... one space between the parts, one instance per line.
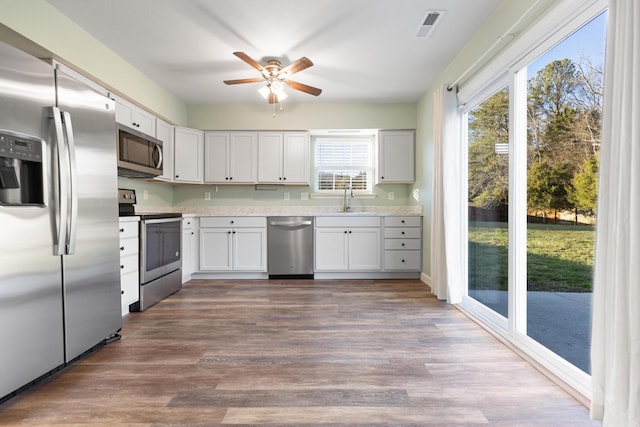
x=299 y=353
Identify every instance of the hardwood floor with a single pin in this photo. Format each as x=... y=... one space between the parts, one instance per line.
x=299 y=353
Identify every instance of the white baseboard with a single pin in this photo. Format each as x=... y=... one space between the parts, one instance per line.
x=426 y=280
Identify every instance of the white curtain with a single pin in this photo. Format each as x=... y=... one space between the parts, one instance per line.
x=447 y=215
x=615 y=348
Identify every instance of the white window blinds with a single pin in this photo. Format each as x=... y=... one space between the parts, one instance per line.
x=343 y=162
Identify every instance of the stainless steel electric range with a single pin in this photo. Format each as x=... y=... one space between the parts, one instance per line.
x=160 y=245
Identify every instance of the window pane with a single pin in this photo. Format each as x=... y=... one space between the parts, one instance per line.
x=564 y=112
x=488 y=169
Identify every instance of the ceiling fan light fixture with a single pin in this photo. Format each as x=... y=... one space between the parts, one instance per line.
x=264 y=91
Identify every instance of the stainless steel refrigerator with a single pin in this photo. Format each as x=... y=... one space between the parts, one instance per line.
x=59 y=255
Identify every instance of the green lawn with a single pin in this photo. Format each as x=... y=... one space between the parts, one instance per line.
x=559 y=257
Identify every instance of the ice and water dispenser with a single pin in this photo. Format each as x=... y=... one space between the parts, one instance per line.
x=21 y=170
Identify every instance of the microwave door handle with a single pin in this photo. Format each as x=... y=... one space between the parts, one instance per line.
x=73 y=188
x=60 y=183
x=158 y=148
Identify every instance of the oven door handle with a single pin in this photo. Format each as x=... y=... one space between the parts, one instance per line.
x=161 y=220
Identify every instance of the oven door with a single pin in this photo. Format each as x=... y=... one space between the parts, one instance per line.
x=160 y=248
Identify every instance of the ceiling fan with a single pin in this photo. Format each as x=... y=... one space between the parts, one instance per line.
x=276 y=77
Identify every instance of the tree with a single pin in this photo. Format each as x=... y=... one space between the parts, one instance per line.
x=583 y=193
x=547 y=186
x=489 y=171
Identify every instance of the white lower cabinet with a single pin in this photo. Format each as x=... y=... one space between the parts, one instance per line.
x=129 y=270
x=402 y=243
x=233 y=244
x=347 y=244
x=188 y=248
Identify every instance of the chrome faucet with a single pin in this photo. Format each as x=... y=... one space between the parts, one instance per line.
x=345 y=201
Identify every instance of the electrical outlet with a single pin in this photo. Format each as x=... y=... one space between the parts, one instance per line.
x=207 y=195
x=392 y=195
x=304 y=196
x=145 y=195
x=286 y=196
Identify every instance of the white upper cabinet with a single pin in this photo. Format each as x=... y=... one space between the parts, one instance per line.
x=283 y=158
x=188 y=152
x=295 y=158
x=231 y=157
x=135 y=117
x=396 y=157
x=164 y=132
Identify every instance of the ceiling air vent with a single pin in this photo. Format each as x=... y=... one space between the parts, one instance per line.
x=428 y=23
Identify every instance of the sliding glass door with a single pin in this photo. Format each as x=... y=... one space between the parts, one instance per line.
x=533 y=141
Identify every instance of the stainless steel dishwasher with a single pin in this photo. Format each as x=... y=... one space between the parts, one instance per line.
x=290 y=247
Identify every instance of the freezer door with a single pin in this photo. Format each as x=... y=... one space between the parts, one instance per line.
x=30 y=278
x=91 y=285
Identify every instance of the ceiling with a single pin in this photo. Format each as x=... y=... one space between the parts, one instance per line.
x=363 y=50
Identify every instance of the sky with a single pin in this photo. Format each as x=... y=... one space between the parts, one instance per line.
x=588 y=41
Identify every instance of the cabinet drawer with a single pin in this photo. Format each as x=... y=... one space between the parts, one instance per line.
x=402 y=260
x=129 y=287
x=128 y=229
x=129 y=246
x=402 y=244
x=402 y=221
x=187 y=223
x=348 y=221
x=232 y=221
x=129 y=264
x=402 y=233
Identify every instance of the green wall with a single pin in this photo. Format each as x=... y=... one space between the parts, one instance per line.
x=506 y=15
x=51 y=34
x=303 y=116
x=38 y=27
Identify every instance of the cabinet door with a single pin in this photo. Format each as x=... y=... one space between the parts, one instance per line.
x=164 y=132
x=215 y=249
x=124 y=112
x=144 y=121
x=130 y=115
x=188 y=249
x=270 y=157
x=249 y=249
x=216 y=147
x=396 y=156
x=364 y=249
x=295 y=162
x=331 y=249
x=243 y=157
x=188 y=153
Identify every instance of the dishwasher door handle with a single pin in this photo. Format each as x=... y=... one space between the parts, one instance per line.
x=289 y=223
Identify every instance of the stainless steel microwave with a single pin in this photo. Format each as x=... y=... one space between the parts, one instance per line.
x=139 y=155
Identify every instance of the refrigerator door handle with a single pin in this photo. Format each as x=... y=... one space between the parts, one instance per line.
x=73 y=188
x=60 y=184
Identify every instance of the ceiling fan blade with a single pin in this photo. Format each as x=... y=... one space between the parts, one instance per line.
x=239 y=81
x=297 y=66
x=246 y=58
x=303 y=88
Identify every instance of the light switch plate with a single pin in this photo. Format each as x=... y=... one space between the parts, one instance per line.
x=286 y=196
x=392 y=195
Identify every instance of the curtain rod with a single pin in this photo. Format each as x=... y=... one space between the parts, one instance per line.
x=509 y=33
